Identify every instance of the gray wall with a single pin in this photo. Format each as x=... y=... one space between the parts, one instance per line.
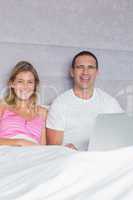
x=102 y=24
x=49 y=33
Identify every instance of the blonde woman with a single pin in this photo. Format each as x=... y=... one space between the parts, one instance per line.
x=22 y=121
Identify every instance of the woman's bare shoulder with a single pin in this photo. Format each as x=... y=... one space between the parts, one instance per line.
x=3 y=106
x=42 y=111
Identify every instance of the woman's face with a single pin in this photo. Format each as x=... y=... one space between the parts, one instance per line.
x=24 y=85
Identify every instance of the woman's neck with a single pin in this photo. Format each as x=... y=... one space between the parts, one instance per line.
x=23 y=105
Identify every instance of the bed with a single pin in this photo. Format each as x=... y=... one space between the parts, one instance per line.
x=59 y=173
x=55 y=172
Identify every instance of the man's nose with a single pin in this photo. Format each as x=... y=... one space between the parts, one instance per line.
x=85 y=70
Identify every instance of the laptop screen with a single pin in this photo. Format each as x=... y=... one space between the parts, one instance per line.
x=112 y=131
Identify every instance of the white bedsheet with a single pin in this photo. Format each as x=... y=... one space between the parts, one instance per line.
x=58 y=173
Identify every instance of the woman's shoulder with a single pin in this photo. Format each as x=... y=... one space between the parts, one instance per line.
x=3 y=106
x=42 y=111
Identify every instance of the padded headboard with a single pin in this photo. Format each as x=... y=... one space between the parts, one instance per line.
x=53 y=62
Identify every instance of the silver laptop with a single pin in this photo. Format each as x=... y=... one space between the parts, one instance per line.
x=112 y=131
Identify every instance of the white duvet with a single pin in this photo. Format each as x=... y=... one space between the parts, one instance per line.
x=58 y=173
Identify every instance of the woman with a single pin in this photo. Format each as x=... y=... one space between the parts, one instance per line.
x=22 y=121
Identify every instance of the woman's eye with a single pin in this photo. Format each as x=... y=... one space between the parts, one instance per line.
x=30 y=82
x=19 y=81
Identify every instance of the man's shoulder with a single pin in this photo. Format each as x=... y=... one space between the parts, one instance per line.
x=108 y=101
x=61 y=103
x=64 y=96
x=103 y=94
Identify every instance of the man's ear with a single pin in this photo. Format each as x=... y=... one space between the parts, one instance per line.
x=71 y=72
x=98 y=72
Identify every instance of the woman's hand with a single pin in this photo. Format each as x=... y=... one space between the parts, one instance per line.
x=24 y=142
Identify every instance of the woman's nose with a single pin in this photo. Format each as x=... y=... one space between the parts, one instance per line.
x=25 y=85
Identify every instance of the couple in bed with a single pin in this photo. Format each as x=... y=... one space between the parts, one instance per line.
x=71 y=116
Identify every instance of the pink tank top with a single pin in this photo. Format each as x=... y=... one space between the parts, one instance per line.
x=12 y=124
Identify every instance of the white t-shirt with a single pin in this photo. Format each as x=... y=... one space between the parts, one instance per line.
x=76 y=116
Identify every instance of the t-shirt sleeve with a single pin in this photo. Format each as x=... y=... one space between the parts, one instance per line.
x=117 y=108
x=114 y=106
x=55 y=119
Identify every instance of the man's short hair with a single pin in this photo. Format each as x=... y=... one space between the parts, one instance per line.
x=84 y=53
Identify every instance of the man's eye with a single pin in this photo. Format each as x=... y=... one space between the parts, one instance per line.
x=91 y=67
x=80 y=67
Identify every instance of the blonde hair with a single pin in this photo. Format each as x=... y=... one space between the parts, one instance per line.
x=22 y=66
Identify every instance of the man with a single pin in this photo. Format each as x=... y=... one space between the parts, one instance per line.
x=72 y=115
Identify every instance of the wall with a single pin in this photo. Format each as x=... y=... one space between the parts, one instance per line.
x=49 y=33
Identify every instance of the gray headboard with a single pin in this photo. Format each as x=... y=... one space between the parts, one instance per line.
x=53 y=62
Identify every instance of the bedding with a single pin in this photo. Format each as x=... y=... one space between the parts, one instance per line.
x=59 y=173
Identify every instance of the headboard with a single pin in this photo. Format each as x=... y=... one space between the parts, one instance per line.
x=53 y=62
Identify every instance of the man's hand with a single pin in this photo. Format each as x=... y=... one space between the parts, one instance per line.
x=71 y=146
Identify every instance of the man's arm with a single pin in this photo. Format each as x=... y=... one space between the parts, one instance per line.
x=54 y=137
x=56 y=124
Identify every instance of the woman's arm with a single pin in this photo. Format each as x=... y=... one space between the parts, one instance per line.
x=43 y=113
x=2 y=108
x=43 y=136
x=16 y=142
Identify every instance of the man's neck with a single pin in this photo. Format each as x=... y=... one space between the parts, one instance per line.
x=83 y=94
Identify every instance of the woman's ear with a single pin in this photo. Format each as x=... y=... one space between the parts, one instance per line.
x=11 y=85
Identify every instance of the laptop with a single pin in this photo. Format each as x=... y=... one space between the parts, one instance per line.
x=112 y=131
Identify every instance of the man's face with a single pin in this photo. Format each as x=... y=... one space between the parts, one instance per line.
x=84 y=72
